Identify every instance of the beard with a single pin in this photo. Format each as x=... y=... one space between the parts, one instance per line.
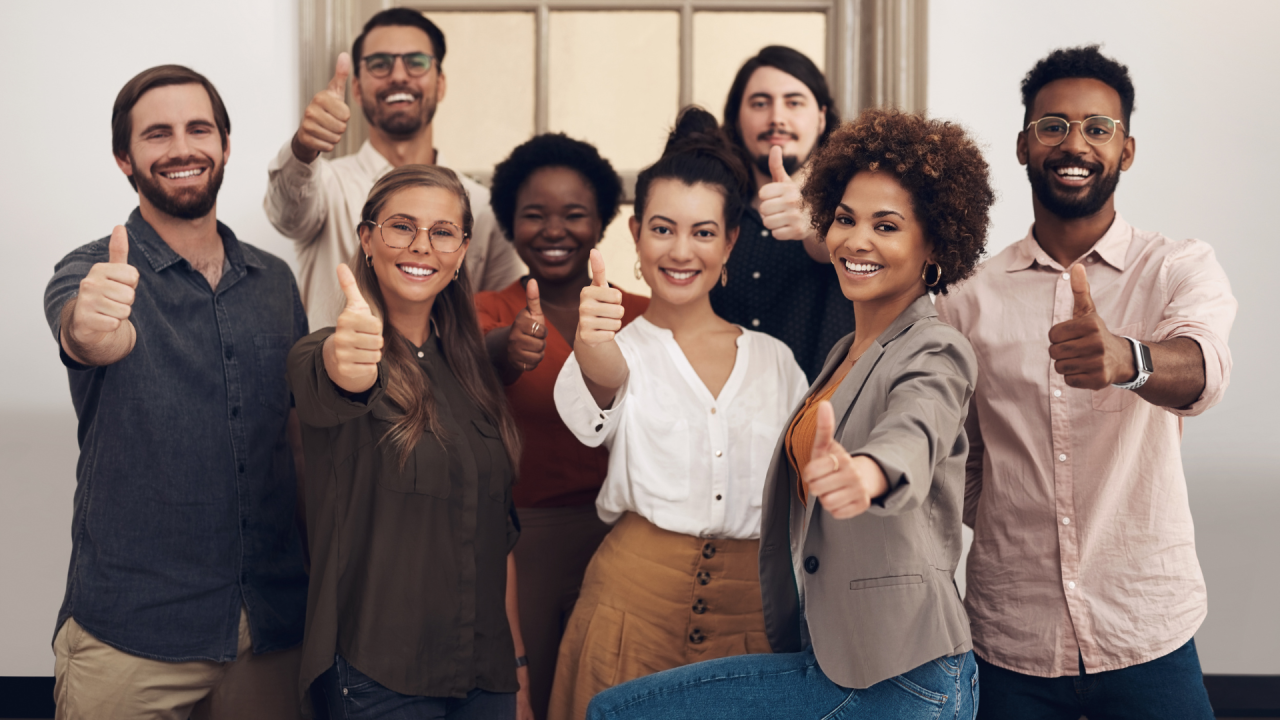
x=399 y=124
x=1075 y=205
x=790 y=163
x=189 y=203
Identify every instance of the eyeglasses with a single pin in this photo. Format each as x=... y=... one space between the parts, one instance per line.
x=399 y=233
x=380 y=65
x=1097 y=130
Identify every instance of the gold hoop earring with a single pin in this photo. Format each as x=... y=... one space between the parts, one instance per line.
x=724 y=276
x=457 y=272
x=638 y=275
x=924 y=275
x=368 y=261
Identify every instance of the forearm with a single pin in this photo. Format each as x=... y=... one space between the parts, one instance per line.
x=1179 y=379
x=517 y=639
x=495 y=343
x=108 y=349
x=604 y=369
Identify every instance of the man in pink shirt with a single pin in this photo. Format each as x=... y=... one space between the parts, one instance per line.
x=1094 y=339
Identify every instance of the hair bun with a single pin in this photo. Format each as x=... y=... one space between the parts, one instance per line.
x=697 y=134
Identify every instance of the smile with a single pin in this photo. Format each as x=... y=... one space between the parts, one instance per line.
x=417 y=271
x=180 y=174
x=1073 y=172
x=681 y=275
x=862 y=269
x=398 y=98
x=554 y=253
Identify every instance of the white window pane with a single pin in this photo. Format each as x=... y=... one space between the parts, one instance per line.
x=614 y=81
x=722 y=41
x=488 y=105
x=619 y=250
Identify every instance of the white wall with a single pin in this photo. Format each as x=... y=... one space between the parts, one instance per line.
x=1205 y=167
x=59 y=189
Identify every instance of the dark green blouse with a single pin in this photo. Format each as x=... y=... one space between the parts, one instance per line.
x=408 y=565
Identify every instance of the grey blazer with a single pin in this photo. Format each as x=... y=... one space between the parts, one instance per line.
x=879 y=590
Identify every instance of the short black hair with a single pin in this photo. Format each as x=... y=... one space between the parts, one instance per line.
x=553 y=150
x=1078 y=62
x=400 y=17
x=697 y=152
x=797 y=65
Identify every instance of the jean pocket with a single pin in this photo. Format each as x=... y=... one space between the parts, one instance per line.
x=272 y=351
x=353 y=681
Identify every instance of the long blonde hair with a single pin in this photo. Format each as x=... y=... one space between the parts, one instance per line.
x=454 y=315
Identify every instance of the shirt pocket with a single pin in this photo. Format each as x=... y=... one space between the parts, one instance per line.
x=493 y=462
x=659 y=458
x=424 y=472
x=271 y=352
x=1111 y=398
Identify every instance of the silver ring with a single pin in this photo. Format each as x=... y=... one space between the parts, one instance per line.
x=535 y=326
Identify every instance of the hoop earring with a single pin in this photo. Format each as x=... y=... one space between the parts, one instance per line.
x=368 y=261
x=638 y=275
x=724 y=276
x=924 y=275
x=457 y=272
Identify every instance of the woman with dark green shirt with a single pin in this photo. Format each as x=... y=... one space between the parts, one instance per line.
x=409 y=453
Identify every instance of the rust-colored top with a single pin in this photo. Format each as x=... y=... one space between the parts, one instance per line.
x=800 y=433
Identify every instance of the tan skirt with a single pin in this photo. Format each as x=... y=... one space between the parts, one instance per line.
x=653 y=600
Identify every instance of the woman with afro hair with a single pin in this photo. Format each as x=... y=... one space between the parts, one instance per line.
x=860 y=534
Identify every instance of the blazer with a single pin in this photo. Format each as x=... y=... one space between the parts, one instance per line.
x=879 y=589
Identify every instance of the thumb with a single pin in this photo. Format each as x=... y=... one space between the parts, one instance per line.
x=776 y=167
x=597 y=269
x=1080 y=289
x=341 y=71
x=824 y=435
x=355 y=301
x=118 y=248
x=534 y=298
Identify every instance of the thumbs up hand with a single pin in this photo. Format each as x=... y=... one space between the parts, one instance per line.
x=781 y=207
x=600 y=308
x=100 y=315
x=1084 y=352
x=845 y=484
x=352 y=353
x=528 y=338
x=325 y=119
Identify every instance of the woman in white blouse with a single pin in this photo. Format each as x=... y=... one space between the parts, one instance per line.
x=689 y=406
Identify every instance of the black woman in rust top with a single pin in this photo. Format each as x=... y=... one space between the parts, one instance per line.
x=410 y=449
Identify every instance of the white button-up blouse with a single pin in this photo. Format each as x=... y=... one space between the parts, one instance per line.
x=682 y=459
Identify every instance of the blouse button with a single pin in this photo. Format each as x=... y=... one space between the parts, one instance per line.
x=718 y=453
x=1071 y=585
x=421 y=354
x=764 y=233
x=1057 y=393
x=713 y=411
x=1066 y=276
x=1066 y=521
x=1062 y=458
x=755 y=275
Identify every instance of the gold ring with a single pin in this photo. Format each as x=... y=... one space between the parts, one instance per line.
x=835 y=462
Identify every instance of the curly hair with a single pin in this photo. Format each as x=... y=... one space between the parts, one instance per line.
x=553 y=150
x=1078 y=62
x=935 y=161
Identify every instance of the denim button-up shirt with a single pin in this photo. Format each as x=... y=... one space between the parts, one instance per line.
x=185 y=486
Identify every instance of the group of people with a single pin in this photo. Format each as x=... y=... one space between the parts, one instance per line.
x=476 y=491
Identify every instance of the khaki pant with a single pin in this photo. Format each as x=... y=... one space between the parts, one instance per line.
x=94 y=681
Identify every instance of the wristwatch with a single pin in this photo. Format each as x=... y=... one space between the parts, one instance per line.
x=522 y=661
x=1142 y=361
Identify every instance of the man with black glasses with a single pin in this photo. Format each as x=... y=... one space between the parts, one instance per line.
x=397 y=62
x=1094 y=340
x=779 y=278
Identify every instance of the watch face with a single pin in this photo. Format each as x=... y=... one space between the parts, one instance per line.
x=1145 y=356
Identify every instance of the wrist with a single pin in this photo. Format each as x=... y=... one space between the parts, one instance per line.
x=303 y=153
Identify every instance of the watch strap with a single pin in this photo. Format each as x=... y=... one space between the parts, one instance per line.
x=1142 y=361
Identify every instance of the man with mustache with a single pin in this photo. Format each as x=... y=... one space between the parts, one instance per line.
x=398 y=81
x=1094 y=340
x=186 y=595
x=779 y=278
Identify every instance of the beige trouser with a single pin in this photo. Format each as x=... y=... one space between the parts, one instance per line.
x=94 y=681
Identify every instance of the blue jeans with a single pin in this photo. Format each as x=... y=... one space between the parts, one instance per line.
x=791 y=685
x=345 y=693
x=1167 y=688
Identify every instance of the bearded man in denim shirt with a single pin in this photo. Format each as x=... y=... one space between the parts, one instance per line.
x=186 y=594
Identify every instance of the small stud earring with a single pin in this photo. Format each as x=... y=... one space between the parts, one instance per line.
x=638 y=275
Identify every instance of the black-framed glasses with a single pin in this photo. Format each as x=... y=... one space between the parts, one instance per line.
x=399 y=233
x=380 y=65
x=1096 y=130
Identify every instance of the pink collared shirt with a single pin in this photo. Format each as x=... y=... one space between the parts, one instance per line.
x=1083 y=540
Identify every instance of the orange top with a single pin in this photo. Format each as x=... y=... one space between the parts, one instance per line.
x=799 y=442
x=555 y=469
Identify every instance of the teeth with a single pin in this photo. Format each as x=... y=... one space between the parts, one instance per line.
x=681 y=274
x=861 y=267
x=1073 y=171
x=555 y=252
x=417 y=271
x=399 y=97
x=183 y=174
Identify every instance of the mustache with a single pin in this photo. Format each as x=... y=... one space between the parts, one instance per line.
x=770 y=133
x=193 y=160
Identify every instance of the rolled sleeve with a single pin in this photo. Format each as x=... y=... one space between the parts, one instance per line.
x=295 y=202
x=1199 y=305
x=319 y=402
x=588 y=422
x=924 y=416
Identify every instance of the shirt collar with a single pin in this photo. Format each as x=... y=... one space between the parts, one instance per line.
x=376 y=165
x=160 y=256
x=1112 y=247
